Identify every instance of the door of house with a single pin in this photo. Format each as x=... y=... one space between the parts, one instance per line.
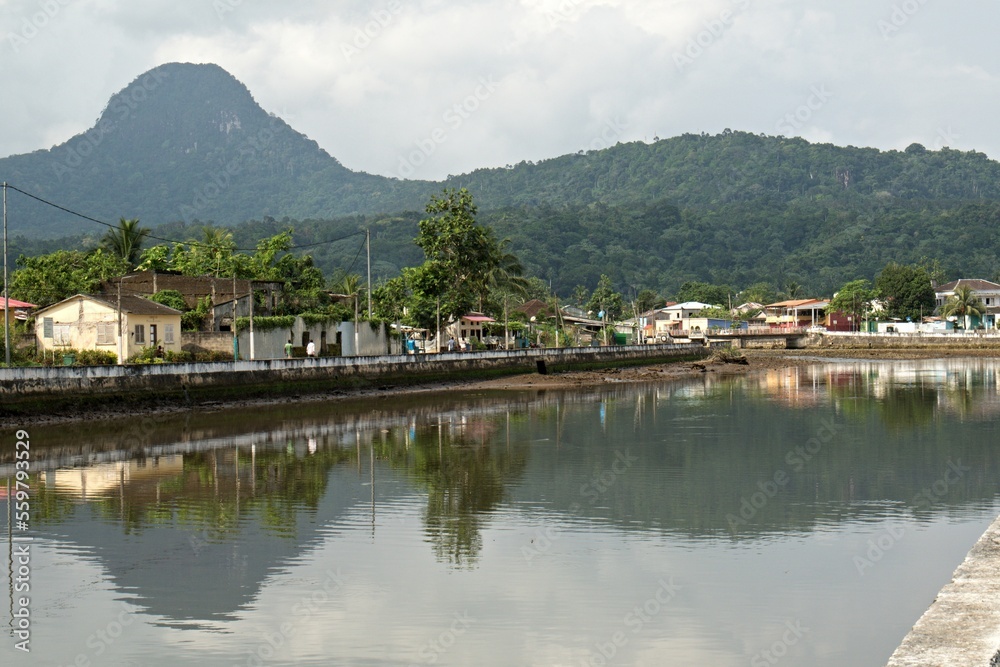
x=152 y=335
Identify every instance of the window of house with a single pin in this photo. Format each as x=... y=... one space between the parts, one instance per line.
x=168 y=334
x=61 y=334
x=105 y=333
x=140 y=333
x=47 y=327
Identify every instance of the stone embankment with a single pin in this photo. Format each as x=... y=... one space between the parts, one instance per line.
x=36 y=390
x=973 y=341
x=962 y=626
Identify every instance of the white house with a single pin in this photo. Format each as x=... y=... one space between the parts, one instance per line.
x=987 y=292
x=467 y=327
x=87 y=322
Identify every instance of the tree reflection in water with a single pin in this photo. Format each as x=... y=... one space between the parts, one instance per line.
x=465 y=466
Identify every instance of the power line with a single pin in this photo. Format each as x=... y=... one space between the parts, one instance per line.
x=348 y=272
x=166 y=240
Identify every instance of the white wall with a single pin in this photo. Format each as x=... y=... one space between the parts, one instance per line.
x=271 y=344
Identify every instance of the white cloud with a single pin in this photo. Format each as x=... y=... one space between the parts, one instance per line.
x=370 y=81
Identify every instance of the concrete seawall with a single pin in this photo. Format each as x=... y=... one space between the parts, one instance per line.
x=899 y=341
x=962 y=626
x=45 y=390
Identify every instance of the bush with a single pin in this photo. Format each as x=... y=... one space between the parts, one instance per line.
x=83 y=357
x=265 y=323
x=96 y=358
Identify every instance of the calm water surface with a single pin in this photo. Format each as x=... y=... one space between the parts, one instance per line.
x=801 y=517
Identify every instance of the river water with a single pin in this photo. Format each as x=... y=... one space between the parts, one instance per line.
x=797 y=517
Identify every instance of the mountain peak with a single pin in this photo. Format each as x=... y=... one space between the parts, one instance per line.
x=185 y=101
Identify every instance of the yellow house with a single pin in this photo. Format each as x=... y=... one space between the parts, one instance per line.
x=86 y=322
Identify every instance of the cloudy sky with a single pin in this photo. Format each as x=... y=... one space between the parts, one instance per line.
x=427 y=88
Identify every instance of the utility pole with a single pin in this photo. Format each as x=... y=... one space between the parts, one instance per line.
x=236 y=343
x=6 y=296
x=121 y=350
x=356 y=343
x=250 y=283
x=368 y=241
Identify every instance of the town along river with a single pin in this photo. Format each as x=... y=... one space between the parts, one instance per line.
x=798 y=517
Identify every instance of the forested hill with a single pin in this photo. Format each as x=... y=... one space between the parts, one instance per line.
x=188 y=142
x=185 y=144
x=706 y=171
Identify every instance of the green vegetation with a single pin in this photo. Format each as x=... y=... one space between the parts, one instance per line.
x=854 y=299
x=721 y=219
x=964 y=304
x=125 y=241
x=906 y=291
x=734 y=209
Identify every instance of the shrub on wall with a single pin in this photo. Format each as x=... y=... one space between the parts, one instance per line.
x=80 y=357
x=265 y=323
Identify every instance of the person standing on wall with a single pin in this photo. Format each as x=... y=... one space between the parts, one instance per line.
x=311 y=349
x=288 y=349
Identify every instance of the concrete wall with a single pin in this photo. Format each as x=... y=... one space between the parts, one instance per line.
x=39 y=389
x=919 y=340
x=207 y=341
x=271 y=344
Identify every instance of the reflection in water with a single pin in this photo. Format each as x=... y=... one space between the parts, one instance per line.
x=195 y=525
x=465 y=470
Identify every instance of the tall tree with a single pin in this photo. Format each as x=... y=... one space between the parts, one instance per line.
x=906 y=291
x=125 y=241
x=605 y=299
x=459 y=256
x=647 y=300
x=504 y=274
x=853 y=299
x=46 y=279
x=713 y=295
x=762 y=293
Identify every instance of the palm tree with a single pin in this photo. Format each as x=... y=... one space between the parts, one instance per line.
x=125 y=240
x=964 y=303
x=793 y=289
x=504 y=273
x=217 y=246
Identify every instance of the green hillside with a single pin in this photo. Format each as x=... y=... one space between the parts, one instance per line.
x=186 y=144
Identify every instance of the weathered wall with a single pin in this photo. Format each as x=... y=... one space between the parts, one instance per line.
x=37 y=389
x=207 y=341
x=894 y=341
x=271 y=344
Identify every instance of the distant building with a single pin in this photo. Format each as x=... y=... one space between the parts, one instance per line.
x=795 y=313
x=220 y=291
x=468 y=327
x=986 y=291
x=20 y=309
